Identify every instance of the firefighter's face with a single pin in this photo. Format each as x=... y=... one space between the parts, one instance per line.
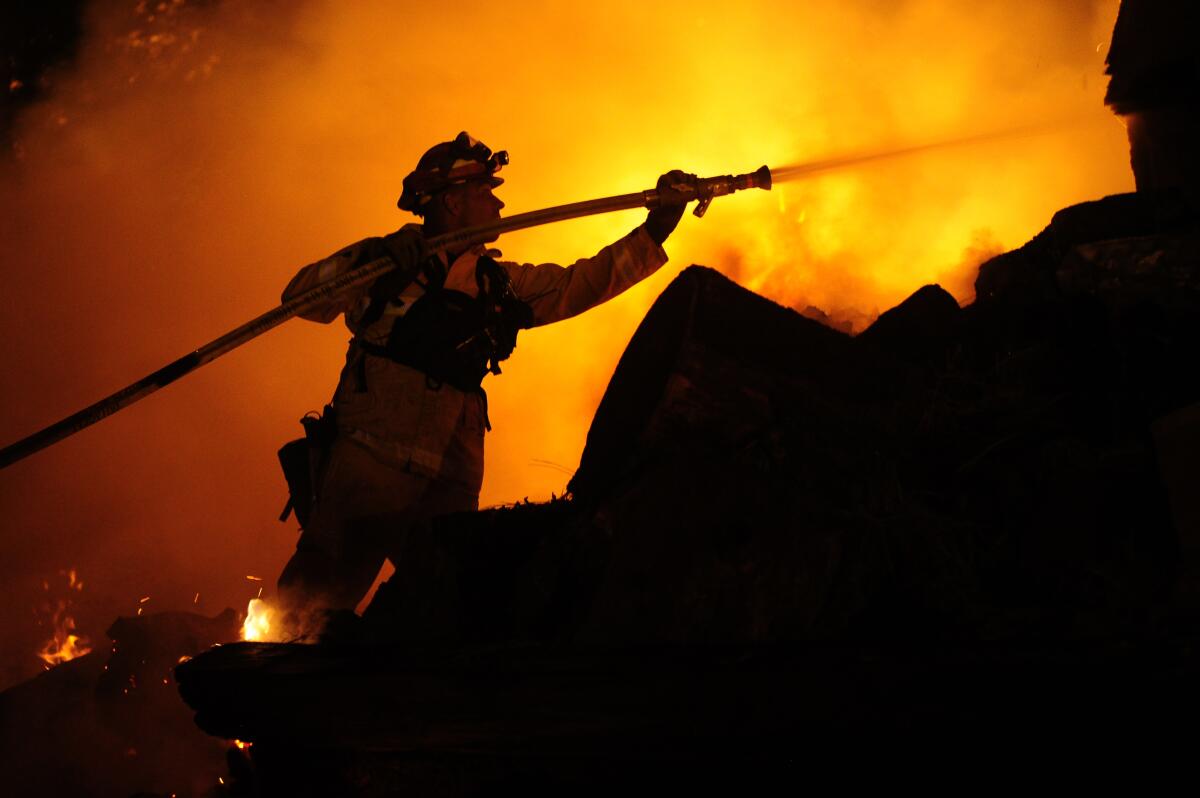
x=476 y=204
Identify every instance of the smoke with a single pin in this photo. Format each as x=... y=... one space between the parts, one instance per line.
x=195 y=154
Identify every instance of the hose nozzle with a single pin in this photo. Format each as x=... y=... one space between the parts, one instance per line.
x=706 y=188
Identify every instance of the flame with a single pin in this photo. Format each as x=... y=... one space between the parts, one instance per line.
x=257 y=627
x=65 y=645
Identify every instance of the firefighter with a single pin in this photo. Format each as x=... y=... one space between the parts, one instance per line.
x=409 y=414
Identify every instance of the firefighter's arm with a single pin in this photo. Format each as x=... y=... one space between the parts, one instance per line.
x=406 y=247
x=559 y=292
x=314 y=274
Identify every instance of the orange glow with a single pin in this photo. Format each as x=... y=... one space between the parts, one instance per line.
x=181 y=169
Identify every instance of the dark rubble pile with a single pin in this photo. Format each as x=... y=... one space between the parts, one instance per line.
x=1008 y=470
x=961 y=519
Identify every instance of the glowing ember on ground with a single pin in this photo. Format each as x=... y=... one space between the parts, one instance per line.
x=258 y=621
x=65 y=645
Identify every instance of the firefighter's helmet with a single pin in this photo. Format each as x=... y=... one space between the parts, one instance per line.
x=459 y=161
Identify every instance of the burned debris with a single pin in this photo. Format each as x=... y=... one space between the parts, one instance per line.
x=110 y=722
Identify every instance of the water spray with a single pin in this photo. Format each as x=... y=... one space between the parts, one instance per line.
x=797 y=171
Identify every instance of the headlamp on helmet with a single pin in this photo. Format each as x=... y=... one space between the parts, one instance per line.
x=450 y=163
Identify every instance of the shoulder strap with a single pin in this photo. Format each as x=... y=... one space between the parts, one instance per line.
x=390 y=285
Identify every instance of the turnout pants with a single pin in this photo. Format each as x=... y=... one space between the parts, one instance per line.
x=365 y=508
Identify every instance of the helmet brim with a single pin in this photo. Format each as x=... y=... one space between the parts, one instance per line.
x=412 y=203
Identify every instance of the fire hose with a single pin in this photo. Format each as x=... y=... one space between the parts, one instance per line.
x=702 y=192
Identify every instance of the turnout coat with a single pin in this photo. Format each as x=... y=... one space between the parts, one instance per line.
x=409 y=446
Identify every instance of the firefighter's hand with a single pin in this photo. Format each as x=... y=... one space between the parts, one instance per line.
x=407 y=247
x=661 y=221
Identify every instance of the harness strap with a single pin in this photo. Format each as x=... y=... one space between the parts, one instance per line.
x=389 y=286
x=433 y=383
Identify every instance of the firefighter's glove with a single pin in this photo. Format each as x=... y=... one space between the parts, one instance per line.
x=661 y=221
x=407 y=247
